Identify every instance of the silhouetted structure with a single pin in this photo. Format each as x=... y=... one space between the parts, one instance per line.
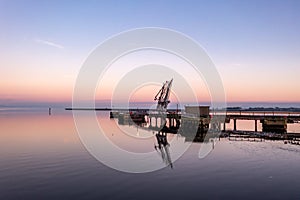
x=163 y=147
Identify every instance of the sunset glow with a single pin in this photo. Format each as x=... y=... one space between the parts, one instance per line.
x=43 y=47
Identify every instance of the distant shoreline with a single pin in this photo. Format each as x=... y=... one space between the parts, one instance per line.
x=235 y=109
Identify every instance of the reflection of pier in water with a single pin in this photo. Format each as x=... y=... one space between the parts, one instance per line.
x=192 y=128
x=162 y=148
x=205 y=127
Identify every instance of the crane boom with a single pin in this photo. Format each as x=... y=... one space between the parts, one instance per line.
x=163 y=95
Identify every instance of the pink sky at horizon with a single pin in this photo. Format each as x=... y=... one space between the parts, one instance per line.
x=60 y=93
x=254 y=46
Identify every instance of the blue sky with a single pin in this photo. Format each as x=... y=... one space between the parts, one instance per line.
x=254 y=44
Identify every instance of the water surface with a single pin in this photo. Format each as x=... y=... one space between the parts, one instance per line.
x=41 y=156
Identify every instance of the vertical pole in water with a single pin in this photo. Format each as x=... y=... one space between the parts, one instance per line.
x=255 y=125
x=49 y=111
x=234 y=124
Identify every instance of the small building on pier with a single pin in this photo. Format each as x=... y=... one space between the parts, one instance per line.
x=274 y=125
x=199 y=111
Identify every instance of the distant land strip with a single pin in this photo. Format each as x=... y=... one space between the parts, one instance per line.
x=264 y=109
x=120 y=109
x=235 y=109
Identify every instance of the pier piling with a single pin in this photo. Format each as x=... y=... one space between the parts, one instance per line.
x=234 y=124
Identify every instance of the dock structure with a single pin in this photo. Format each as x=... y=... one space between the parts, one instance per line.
x=200 y=118
x=204 y=120
x=276 y=123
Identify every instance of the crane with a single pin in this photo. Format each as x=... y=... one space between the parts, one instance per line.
x=162 y=97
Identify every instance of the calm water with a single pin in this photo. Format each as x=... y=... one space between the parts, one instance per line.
x=42 y=157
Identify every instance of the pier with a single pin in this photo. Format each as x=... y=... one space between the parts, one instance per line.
x=273 y=122
x=200 y=119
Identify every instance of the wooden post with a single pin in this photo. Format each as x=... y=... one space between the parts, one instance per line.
x=234 y=124
x=255 y=125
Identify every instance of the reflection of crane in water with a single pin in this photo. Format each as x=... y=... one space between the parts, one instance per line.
x=163 y=147
x=162 y=98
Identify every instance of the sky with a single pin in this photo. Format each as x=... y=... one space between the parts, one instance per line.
x=255 y=45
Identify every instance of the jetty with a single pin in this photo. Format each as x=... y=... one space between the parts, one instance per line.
x=202 y=120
